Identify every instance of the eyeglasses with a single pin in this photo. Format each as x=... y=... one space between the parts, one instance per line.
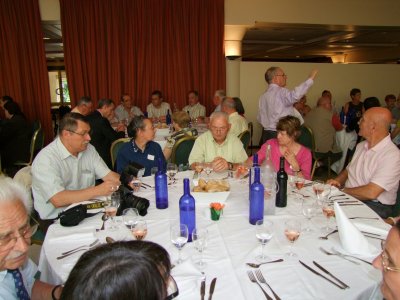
x=172 y=289
x=213 y=128
x=385 y=260
x=81 y=133
x=10 y=240
x=283 y=75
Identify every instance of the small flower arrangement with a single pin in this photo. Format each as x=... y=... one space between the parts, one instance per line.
x=216 y=209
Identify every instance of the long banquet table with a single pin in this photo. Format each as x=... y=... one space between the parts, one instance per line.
x=232 y=243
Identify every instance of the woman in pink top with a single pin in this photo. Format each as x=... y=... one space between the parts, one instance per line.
x=298 y=159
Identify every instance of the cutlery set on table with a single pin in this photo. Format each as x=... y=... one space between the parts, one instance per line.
x=203 y=288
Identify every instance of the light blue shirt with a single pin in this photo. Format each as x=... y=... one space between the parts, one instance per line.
x=7 y=287
x=55 y=169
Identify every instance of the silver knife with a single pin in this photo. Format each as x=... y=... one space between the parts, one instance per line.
x=319 y=274
x=203 y=288
x=329 y=273
x=212 y=287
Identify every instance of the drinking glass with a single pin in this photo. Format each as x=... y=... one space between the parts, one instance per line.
x=139 y=231
x=299 y=183
x=135 y=184
x=153 y=171
x=292 y=233
x=292 y=184
x=323 y=192
x=309 y=209
x=111 y=206
x=199 y=238
x=208 y=169
x=179 y=237
x=130 y=217
x=172 y=169
x=328 y=211
x=241 y=171
x=264 y=233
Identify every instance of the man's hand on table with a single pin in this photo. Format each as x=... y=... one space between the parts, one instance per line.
x=334 y=183
x=220 y=164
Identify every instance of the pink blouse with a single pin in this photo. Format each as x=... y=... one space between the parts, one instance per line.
x=303 y=157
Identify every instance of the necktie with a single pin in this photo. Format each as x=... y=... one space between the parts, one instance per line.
x=22 y=293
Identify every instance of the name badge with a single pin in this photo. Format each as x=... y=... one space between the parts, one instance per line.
x=150 y=157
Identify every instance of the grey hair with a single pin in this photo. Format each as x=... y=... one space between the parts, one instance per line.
x=229 y=102
x=220 y=93
x=219 y=114
x=85 y=100
x=270 y=73
x=11 y=190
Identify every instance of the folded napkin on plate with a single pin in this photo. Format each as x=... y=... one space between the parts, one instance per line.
x=73 y=235
x=352 y=240
x=373 y=226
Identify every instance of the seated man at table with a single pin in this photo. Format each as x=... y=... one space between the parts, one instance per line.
x=225 y=151
x=102 y=134
x=373 y=174
x=84 y=106
x=157 y=109
x=141 y=149
x=194 y=109
x=126 y=111
x=324 y=124
x=64 y=172
x=389 y=263
x=17 y=271
x=218 y=97
x=237 y=122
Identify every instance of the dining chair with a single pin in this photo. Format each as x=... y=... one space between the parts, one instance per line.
x=114 y=149
x=245 y=137
x=181 y=150
x=37 y=142
x=251 y=129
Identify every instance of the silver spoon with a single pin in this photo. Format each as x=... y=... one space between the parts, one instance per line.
x=104 y=218
x=268 y=262
x=326 y=236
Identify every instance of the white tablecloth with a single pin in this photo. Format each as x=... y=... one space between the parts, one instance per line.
x=345 y=141
x=232 y=243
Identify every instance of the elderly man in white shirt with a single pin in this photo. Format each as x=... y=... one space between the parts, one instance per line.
x=194 y=109
x=65 y=171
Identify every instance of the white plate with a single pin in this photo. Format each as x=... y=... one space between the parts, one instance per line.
x=207 y=198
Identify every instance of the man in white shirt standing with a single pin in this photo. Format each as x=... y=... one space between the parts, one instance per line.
x=194 y=109
x=17 y=271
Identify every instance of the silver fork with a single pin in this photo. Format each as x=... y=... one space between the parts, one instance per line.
x=253 y=279
x=346 y=255
x=82 y=249
x=83 y=246
x=339 y=255
x=262 y=280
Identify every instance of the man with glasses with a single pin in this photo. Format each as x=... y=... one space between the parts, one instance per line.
x=277 y=101
x=17 y=271
x=64 y=172
x=389 y=263
x=225 y=151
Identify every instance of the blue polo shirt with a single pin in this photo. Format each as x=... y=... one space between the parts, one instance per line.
x=129 y=152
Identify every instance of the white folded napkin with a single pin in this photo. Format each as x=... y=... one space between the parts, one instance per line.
x=373 y=226
x=352 y=240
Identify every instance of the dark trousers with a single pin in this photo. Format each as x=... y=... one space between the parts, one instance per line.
x=267 y=135
x=383 y=210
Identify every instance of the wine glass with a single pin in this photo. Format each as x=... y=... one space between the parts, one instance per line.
x=241 y=171
x=139 y=231
x=153 y=171
x=317 y=186
x=299 y=183
x=309 y=209
x=292 y=233
x=208 y=169
x=111 y=206
x=172 y=169
x=328 y=211
x=130 y=217
x=199 y=238
x=264 y=233
x=292 y=183
x=179 y=237
x=323 y=192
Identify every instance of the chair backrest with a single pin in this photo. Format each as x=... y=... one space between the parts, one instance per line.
x=114 y=149
x=181 y=150
x=251 y=129
x=245 y=137
x=37 y=143
x=306 y=138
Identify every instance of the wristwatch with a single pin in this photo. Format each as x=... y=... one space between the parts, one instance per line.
x=230 y=166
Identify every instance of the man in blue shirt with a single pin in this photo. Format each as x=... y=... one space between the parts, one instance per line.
x=141 y=149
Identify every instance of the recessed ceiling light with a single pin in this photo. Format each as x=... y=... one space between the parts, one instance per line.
x=46 y=38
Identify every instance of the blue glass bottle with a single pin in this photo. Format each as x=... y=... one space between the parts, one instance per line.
x=251 y=171
x=256 y=198
x=168 y=118
x=187 y=209
x=161 y=187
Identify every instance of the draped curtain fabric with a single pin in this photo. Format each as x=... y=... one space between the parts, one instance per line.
x=23 y=69
x=113 y=47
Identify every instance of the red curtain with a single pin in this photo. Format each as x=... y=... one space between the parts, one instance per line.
x=123 y=46
x=23 y=69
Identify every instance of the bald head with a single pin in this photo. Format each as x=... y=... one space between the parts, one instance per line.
x=374 y=124
x=325 y=102
x=380 y=116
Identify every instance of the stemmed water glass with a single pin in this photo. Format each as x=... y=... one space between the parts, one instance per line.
x=264 y=233
x=328 y=211
x=292 y=233
x=130 y=217
x=199 y=238
x=172 y=169
x=139 y=231
x=111 y=206
x=309 y=209
x=179 y=237
x=208 y=169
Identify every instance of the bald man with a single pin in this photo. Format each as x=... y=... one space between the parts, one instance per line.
x=373 y=174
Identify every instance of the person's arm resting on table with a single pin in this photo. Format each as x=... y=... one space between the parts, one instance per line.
x=371 y=191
